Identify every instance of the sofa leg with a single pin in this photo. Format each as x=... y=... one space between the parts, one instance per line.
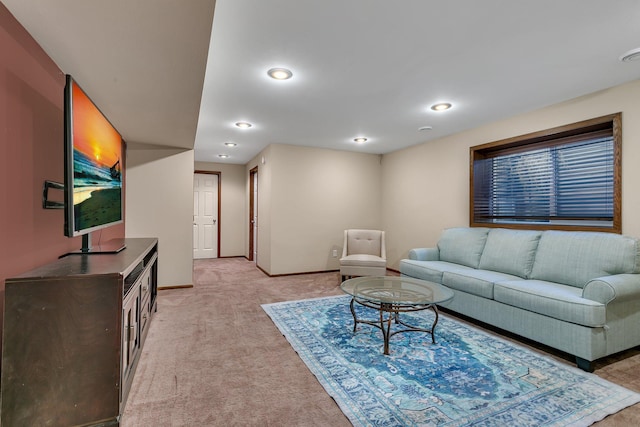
x=583 y=364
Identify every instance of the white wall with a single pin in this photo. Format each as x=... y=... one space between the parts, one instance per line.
x=234 y=225
x=426 y=187
x=307 y=197
x=159 y=203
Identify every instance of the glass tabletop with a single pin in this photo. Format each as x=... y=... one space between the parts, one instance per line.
x=397 y=290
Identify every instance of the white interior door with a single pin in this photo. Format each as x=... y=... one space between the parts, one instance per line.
x=205 y=216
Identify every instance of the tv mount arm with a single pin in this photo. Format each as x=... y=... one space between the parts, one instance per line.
x=46 y=203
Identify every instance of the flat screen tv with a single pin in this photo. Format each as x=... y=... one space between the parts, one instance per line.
x=93 y=173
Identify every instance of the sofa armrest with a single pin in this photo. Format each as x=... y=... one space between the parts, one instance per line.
x=424 y=254
x=606 y=289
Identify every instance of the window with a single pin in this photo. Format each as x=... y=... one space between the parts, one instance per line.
x=562 y=178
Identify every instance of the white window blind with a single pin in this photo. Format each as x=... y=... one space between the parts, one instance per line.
x=563 y=182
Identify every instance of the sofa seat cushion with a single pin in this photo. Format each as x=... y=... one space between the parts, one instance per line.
x=363 y=260
x=510 y=251
x=551 y=299
x=429 y=270
x=475 y=282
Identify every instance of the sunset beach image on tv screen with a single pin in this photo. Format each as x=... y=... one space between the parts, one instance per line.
x=97 y=165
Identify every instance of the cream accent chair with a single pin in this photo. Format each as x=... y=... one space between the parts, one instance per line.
x=363 y=254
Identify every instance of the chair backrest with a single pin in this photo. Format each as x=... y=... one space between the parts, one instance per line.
x=369 y=242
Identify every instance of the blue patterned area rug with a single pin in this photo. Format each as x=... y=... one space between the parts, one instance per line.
x=469 y=378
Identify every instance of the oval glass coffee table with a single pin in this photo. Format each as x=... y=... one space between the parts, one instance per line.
x=392 y=295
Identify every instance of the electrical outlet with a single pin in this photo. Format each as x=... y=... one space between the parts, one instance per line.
x=335 y=253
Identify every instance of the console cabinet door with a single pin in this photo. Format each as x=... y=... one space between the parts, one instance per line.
x=130 y=334
x=145 y=309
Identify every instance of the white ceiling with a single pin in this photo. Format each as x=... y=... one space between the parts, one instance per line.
x=141 y=61
x=361 y=67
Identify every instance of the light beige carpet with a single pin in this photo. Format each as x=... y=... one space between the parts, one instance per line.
x=214 y=358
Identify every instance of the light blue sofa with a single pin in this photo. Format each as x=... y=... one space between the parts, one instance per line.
x=578 y=292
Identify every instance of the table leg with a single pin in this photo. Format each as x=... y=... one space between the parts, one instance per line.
x=435 y=322
x=386 y=333
x=353 y=313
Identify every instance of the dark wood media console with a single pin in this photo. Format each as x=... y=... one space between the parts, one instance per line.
x=73 y=334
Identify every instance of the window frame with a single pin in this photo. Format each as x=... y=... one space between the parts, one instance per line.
x=549 y=137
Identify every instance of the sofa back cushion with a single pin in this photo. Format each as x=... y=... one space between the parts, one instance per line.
x=462 y=245
x=510 y=251
x=574 y=258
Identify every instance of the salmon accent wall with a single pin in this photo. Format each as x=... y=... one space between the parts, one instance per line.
x=31 y=141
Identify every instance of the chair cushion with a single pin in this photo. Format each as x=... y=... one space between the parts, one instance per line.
x=510 y=251
x=364 y=242
x=462 y=245
x=363 y=260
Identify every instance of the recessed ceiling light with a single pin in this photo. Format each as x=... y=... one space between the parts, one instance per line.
x=230 y=144
x=223 y=156
x=425 y=128
x=280 y=73
x=243 y=125
x=632 y=55
x=441 y=106
x=360 y=140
